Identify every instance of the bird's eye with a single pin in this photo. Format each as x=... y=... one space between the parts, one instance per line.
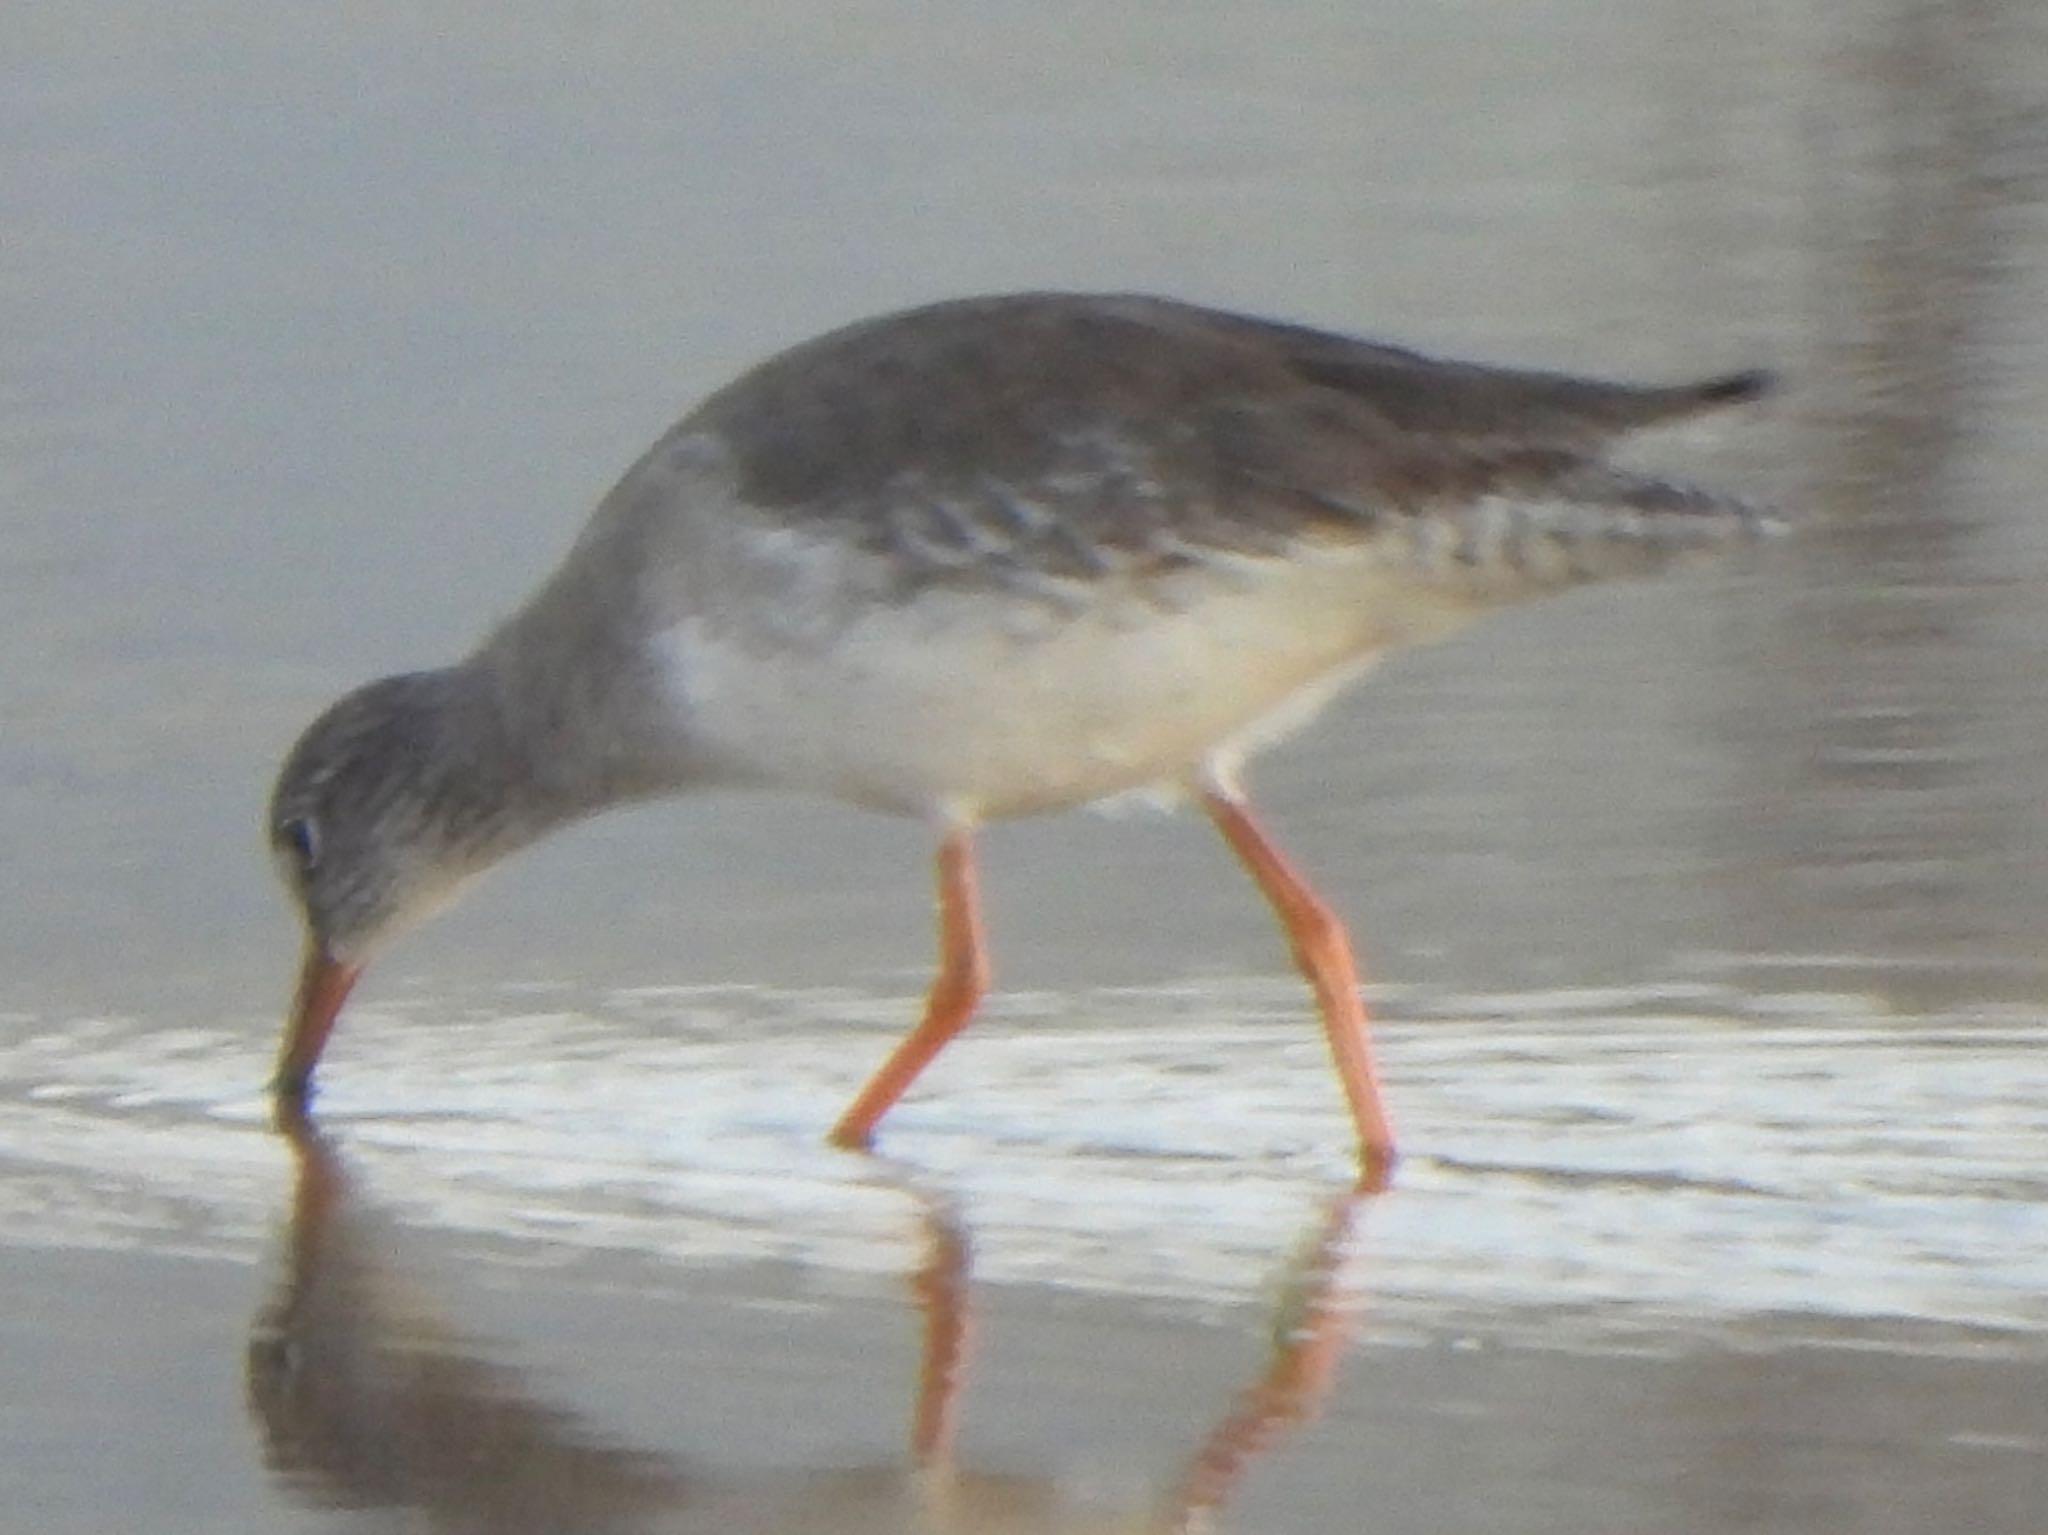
x=299 y=836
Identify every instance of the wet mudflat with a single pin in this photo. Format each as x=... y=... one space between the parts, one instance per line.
x=1704 y=920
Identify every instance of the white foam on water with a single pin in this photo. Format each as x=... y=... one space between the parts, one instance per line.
x=1643 y=1156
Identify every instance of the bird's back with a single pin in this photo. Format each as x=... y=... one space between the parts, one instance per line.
x=1074 y=436
x=1018 y=552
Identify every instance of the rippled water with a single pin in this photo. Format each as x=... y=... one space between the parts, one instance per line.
x=1647 y=1159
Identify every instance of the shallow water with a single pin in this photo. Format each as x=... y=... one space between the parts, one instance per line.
x=1704 y=920
x=1651 y=1162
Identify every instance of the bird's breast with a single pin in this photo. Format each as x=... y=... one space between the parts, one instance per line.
x=976 y=700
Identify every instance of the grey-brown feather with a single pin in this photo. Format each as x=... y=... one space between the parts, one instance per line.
x=1051 y=438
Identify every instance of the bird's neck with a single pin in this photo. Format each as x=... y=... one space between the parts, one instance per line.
x=577 y=708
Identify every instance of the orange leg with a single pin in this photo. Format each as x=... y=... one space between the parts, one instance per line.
x=961 y=983
x=1323 y=954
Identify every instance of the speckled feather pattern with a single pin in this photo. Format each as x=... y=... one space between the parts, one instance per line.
x=1007 y=440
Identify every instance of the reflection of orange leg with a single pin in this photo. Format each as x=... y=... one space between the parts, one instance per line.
x=1324 y=955
x=941 y=1290
x=318 y=1193
x=1311 y=1332
x=961 y=982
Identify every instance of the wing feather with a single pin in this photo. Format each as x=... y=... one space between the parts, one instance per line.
x=1076 y=437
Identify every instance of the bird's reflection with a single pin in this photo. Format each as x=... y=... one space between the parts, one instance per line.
x=367 y=1401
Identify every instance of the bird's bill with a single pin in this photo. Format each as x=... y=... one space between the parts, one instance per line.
x=324 y=984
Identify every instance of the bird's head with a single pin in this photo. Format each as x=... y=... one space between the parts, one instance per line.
x=378 y=816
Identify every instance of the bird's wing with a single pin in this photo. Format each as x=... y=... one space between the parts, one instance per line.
x=1476 y=404
x=1065 y=438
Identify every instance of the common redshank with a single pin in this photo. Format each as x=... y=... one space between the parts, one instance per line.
x=983 y=559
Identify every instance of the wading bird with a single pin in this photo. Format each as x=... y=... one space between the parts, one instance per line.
x=984 y=559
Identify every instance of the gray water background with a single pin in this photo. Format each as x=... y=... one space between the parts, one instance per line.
x=1704 y=918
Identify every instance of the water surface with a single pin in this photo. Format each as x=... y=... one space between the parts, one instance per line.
x=1704 y=919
